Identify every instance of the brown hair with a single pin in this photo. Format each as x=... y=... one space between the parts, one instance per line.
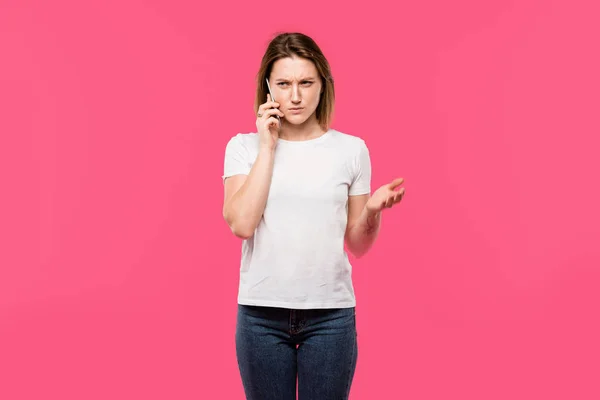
x=297 y=44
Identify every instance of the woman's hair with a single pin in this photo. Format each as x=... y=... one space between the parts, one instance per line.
x=297 y=44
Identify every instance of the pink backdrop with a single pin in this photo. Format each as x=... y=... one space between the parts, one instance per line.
x=118 y=276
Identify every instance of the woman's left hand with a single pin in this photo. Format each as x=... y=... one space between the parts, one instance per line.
x=385 y=197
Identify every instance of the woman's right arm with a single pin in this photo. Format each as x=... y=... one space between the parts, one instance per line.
x=246 y=195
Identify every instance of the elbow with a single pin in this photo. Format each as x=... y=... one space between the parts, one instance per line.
x=356 y=251
x=240 y=230
x=358 y=248
x=244 y=234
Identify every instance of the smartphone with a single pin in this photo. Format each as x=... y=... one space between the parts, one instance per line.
x=272 y=98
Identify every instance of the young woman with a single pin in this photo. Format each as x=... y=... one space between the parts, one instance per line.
x=296 y=191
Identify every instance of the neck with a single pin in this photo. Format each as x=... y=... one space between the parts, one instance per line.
x=309 y=129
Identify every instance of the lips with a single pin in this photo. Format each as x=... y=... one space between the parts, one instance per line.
x=296 y=109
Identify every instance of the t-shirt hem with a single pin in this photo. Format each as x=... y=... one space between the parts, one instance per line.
x=359 y=192
x=233 y=173
x=296 y=305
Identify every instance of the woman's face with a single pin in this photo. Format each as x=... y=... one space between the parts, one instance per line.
x=296 y=86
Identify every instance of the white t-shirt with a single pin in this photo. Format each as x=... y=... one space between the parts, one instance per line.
x=296 y=257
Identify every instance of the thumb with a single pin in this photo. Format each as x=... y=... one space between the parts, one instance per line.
x=395 y=183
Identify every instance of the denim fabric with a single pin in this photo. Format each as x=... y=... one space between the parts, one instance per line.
x=276 y=346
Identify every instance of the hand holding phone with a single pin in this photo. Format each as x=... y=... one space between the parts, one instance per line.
x=268 y=121
x=272 y=97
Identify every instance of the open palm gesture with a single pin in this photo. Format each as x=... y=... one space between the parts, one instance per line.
x=386 y=196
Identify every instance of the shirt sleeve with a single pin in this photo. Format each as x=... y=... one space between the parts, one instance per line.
x=236 y=158
x=361 y=182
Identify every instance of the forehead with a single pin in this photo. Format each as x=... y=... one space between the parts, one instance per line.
x=293 y=68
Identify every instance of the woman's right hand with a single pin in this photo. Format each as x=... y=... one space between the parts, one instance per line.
x=267 y=124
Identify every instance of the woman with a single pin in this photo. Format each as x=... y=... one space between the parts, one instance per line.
x=295 y=192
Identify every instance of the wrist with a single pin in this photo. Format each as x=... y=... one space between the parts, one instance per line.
x=372 y=213
x=266 y=150
x=372 y=220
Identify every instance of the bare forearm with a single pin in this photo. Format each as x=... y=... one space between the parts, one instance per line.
x=248 y=204
x=363 y=234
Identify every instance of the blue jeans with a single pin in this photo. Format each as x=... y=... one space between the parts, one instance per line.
x=274 y=346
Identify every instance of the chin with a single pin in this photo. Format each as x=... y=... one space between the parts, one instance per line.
x=297 y=119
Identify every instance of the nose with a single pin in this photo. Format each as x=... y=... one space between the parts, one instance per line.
x=296 y=94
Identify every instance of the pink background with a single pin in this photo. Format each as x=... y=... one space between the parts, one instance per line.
x=118 y=276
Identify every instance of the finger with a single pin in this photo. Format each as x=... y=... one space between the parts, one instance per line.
x=272 y=122
x=389 y=202
x=395 y=183
x=398 y=198
x=268 y=112
x=272 y=111
x=267 y=106
x=270 y=102
x=400 y=194
x=264 y=106
x=275 y=111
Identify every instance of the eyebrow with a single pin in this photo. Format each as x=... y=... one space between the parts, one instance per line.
x=310 y=78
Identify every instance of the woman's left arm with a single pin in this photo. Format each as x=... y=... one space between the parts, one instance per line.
x=364 y=216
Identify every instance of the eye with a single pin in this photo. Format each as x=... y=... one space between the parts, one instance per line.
x=282 y=83
x=308 y=83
